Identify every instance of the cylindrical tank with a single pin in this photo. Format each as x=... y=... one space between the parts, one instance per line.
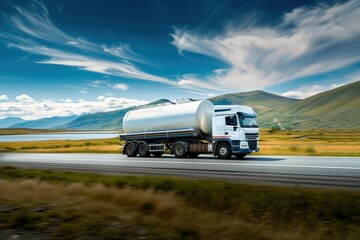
x=196 y=114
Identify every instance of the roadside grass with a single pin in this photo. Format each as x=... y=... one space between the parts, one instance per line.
x=312 y=142
x=64 y=146
x=14 y=131
x=67 y=205
x=272 y=142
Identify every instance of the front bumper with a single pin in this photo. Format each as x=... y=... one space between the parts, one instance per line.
x=246 y=147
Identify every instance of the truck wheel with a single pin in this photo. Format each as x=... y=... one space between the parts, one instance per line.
x=193 y=155
x=143 y=150
x=223 y=151
x=130 y=149
x=240 y=155
x=158 y=154
x=179 y=150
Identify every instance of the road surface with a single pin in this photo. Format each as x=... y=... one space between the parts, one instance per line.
x=334 y=172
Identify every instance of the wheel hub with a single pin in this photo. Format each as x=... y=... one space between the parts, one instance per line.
x=223 y=151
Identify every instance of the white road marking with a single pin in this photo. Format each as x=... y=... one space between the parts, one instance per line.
x=193 y=163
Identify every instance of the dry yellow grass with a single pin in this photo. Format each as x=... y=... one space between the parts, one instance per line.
x=14 y=131
x=318 y=143
x=69 y=211
x=91 y=145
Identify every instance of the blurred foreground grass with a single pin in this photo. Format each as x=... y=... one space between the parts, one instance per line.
x=64 y=205
x=273 y=142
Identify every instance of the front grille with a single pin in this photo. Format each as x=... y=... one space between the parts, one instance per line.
x=252 y=145
x=251 y=136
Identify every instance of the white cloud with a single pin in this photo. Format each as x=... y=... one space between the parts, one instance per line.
x=120 y=86
x=100 y=98
x=99 y=84
x=106 y=84
x=184 y=82
x=308 y=41
x=84 y=91
x=308 y=91
x=35 y=109
x=3 y=97
x=24 y=98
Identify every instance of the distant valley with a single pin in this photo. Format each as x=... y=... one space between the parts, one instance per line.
x=335 y=109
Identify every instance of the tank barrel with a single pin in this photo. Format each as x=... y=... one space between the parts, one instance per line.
x=195 y=115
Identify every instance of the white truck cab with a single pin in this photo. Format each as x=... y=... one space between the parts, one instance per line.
x=237 y=125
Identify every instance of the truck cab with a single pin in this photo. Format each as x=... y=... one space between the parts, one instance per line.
x=236 y=126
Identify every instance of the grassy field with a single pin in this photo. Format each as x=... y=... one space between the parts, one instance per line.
x=315 y=143
x=273 y=142
x=64 y=205
x=15 y=131
x=64 y=146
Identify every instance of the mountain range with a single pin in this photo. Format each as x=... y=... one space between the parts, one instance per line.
x=45 y=123
x=9 y=121
x=334 y=109
x=104 y=120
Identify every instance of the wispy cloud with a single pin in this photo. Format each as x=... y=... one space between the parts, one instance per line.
x=35 y=33
x=309 y=40
x=309 y=90
x=84 y=91
x=120 y=86
x=29 y=108
x=99 y=84
x=106 y=84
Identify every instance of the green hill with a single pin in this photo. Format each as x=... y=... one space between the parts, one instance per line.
x=261 y=101
x=45 y=123
x=334 y=109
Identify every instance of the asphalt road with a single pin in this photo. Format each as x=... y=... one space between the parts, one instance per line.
x=334 y=172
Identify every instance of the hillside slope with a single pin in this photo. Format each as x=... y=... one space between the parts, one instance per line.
x=45 y=123
x=261 y=101
x=334 y=109
x=9 y=121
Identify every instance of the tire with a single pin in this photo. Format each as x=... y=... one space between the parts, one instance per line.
x=157 y=154
x=223 y=151
x=143 y=150
x=130 y=149
x=240 y=155
x=193 y=155
x=179 y=150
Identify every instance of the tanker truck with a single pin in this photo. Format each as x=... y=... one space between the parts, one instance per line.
x=190 y=129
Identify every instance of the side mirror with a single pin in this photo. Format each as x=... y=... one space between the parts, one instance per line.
x=235 y=128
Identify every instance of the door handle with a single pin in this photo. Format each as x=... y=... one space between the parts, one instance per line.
x=226 y=133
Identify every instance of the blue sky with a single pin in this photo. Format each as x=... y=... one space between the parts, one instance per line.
x=66 y=57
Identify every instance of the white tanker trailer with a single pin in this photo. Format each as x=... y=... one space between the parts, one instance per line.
x=188 y=129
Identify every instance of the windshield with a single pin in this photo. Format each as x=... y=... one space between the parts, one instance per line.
x=247 y=120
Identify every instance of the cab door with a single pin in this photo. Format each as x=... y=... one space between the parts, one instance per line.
x=232 y=127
